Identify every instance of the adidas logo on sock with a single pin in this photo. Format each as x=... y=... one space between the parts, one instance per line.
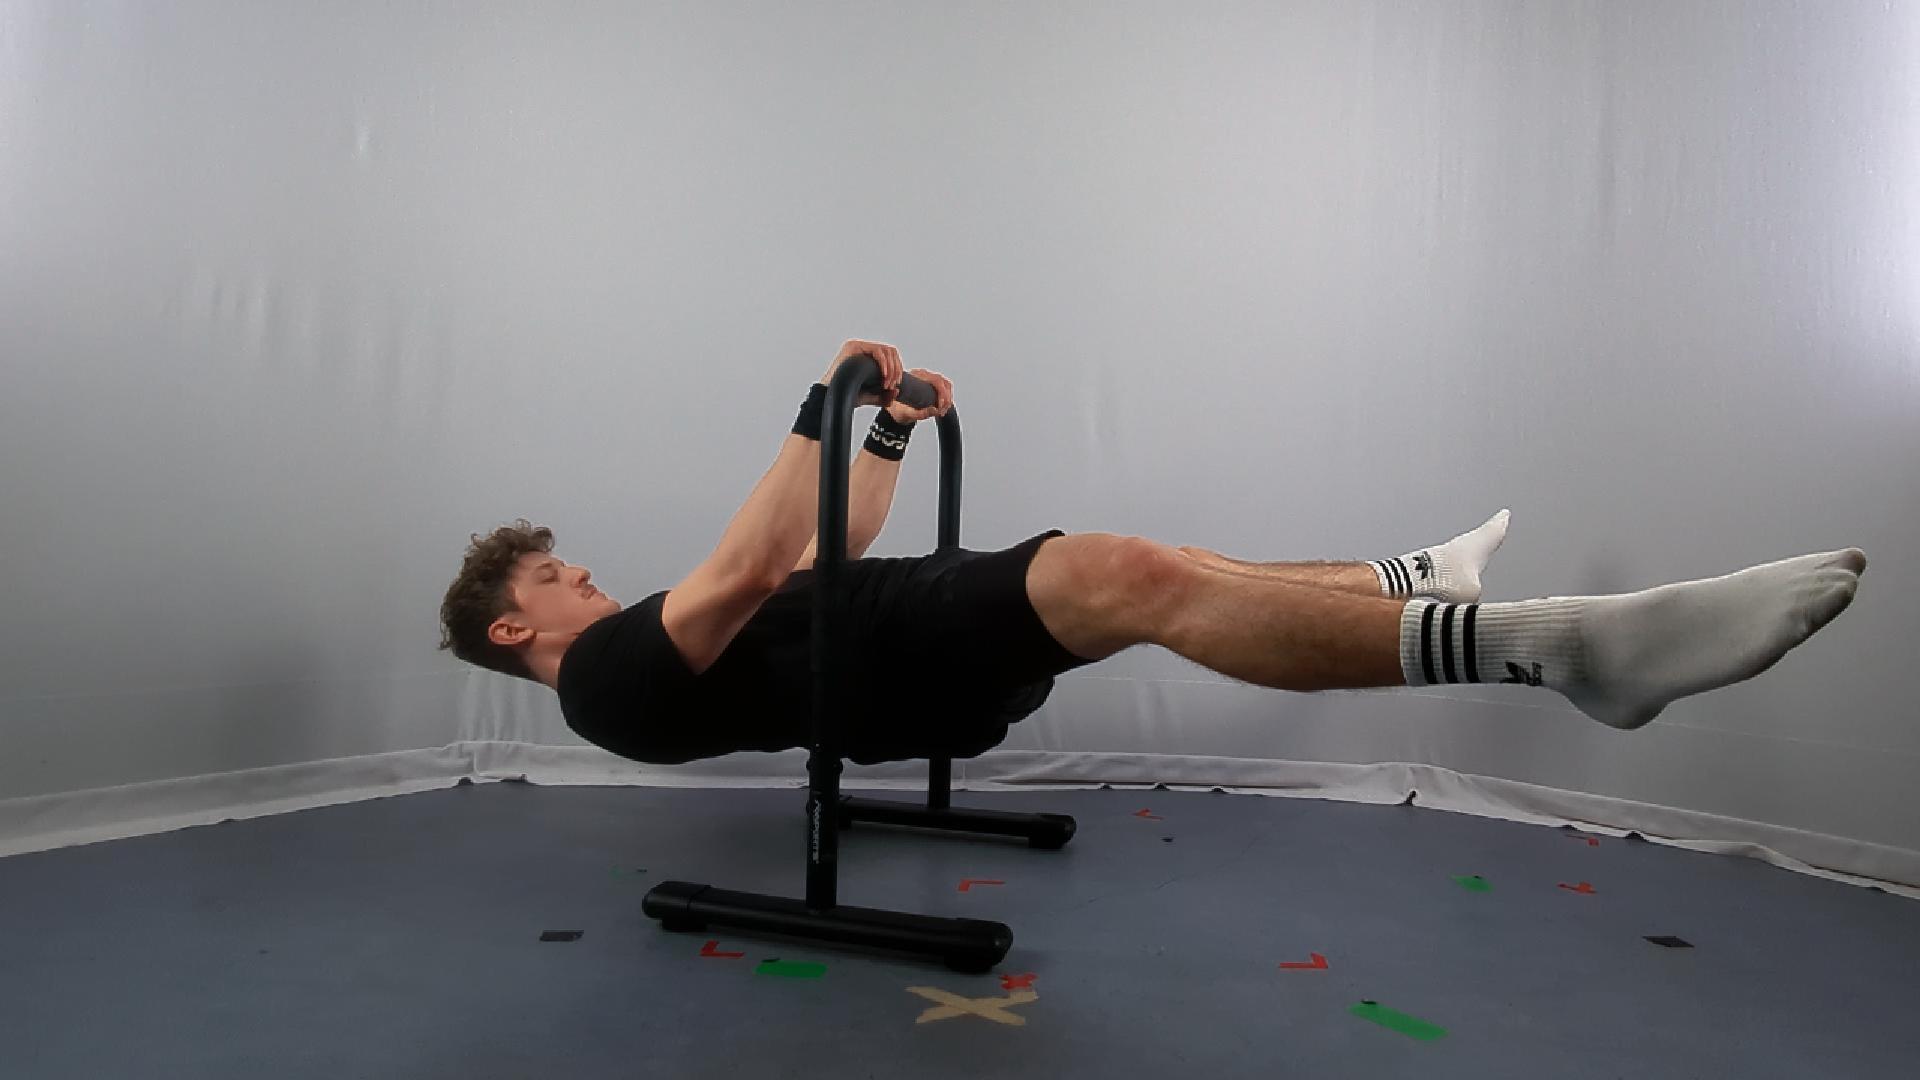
x=1522 y=675
x=1423 y=562
x=1399 y=574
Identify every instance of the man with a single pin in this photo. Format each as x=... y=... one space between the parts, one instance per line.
x=720 y=662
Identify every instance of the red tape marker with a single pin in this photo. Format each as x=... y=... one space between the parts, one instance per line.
x=707 y=950
x=1319 y=963
x=971 y=882
x=1017 y=982
x=1583 y=887
x=1149 y=815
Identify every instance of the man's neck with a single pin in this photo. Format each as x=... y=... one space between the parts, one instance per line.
x=546 y=666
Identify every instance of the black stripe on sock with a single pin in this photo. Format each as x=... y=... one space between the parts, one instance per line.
x=1446 y=638
x=1401 y=581
x=1426 y=644
x=1466 y=631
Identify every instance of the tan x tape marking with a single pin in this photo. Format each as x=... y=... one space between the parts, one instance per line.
x=986 y=1008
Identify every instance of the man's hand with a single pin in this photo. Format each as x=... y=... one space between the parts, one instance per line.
x=883 y=354
x=907 y=414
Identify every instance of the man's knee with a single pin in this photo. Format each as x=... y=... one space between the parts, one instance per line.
x=1149 y=563
x=1102 y=592
x=1141 y=578
x=1111 y=562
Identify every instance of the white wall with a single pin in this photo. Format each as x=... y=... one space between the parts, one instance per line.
x=294 y=298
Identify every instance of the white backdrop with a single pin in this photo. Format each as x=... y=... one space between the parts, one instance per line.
x=293 y=298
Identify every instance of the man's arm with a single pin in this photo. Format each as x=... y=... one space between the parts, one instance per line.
x=776 y=524
x=870 y=486
x=768 y=533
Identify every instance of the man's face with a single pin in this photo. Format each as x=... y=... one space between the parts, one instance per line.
x=555 y=597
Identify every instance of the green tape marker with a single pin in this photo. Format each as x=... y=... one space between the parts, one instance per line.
x=1398 y=1021
x=1474 y=883
x=791 y=970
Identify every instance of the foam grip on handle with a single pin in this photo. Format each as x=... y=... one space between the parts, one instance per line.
x=918 y=393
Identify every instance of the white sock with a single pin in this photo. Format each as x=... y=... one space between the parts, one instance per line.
x=1624 y=658
x=1449 y=571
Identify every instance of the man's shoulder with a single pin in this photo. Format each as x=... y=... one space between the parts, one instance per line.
x=623 y=644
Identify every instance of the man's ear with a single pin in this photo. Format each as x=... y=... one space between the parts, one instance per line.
x=503 y=632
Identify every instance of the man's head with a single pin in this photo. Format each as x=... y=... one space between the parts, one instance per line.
x=515 y=608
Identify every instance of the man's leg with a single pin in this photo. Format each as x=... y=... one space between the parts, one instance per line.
x=1099 y=593
x=1449 y=571
x=1621 y=659
x=1357 y=578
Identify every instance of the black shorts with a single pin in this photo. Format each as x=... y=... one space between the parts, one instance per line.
x=962 y=617
x=960 y=650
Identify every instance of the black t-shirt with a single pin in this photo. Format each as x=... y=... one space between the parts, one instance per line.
x=625 y=687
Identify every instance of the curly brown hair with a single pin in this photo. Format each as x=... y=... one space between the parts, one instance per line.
x=480 y=594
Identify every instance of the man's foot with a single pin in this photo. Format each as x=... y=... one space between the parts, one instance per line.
x=1647 y=649
x=1622 y=659
x=1448 y=572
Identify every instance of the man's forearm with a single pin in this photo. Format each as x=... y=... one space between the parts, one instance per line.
x=773 y=528
x=779 y=520
x=870 y=491
x=871 y=483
